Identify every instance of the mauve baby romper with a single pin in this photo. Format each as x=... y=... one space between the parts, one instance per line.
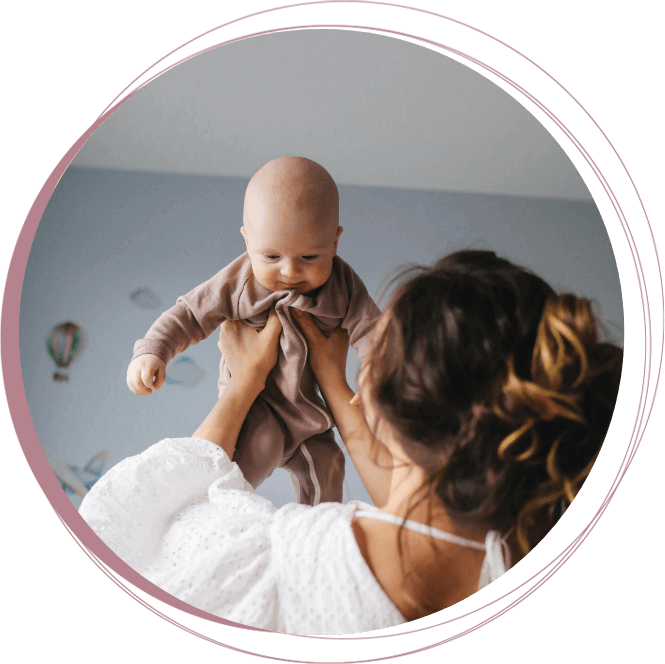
x=289 y=424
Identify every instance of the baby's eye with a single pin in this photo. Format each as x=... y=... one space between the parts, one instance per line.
x=309 y=258
x=271 y=257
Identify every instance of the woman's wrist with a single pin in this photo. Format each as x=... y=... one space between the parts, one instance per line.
x=223 y=423
x=332 y=380
x=337 y=394
x=251 y=382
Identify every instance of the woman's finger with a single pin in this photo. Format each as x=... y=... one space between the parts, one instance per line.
x=274 y=325
x=223 y=327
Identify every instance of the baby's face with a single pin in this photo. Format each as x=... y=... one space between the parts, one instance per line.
x=291 y=252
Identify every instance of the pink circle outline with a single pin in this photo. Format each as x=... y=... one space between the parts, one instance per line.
x=10 y=334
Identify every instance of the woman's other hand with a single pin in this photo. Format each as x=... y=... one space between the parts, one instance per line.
x=250 y=354
x=327 y=352
x=327 y=357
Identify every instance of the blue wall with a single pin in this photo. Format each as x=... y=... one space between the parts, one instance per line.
x=106 y=233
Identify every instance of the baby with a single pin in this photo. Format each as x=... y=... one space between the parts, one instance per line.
x=291 y=230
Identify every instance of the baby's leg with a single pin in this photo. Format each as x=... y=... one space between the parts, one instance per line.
x=316 y=470
x=260 y=446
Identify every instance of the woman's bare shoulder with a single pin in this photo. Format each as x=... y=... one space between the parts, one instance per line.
x=419 y=575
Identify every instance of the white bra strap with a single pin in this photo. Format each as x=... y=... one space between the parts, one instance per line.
x=497 y=552
x=421 y=528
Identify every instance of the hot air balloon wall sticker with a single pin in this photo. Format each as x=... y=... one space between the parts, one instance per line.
x=64 y=345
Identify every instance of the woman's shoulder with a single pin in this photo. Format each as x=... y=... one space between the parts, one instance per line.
x=309 y=534
x=325 y=585
x=295 y=515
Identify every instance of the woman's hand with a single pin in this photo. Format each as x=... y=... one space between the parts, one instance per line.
x=327 y=357
x=250 y=354
x=327 y=353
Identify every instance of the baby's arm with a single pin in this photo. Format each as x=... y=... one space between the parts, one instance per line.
x=173 y=332
x=194 y=317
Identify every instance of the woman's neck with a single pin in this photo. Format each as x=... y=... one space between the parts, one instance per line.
x=408 y=498
x=406 y=481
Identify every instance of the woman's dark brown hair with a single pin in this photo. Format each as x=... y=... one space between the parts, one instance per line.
x=496 y=386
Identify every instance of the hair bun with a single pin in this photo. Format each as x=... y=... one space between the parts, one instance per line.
x=560 y=363
x=568 y=362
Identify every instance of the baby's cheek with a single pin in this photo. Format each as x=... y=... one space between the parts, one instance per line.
x=265 y=278
x=323 y=273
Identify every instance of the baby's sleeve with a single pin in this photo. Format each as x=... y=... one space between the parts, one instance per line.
x=361 y=314
x=196 y=315
x=173 y=332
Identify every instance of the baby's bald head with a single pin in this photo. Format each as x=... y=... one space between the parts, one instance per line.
x=291 y=224
x=293 y=190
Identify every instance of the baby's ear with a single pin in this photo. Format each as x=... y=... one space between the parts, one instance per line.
x=242 y=230
x=340 y=230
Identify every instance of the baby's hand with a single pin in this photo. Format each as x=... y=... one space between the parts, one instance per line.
x=141 y=371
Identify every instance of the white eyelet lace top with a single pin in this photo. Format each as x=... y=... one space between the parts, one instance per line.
x=183 y=516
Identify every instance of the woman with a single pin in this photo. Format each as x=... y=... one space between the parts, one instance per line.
x=481 y=410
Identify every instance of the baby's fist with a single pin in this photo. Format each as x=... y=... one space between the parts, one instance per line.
x=141 y=372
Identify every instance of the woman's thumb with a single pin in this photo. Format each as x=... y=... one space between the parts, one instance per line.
x=307 y=325
x=274 y=324
x=304 y=322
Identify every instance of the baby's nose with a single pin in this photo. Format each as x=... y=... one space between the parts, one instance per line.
x=289 y=269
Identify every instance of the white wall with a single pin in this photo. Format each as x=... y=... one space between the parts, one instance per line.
x=374 y=110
